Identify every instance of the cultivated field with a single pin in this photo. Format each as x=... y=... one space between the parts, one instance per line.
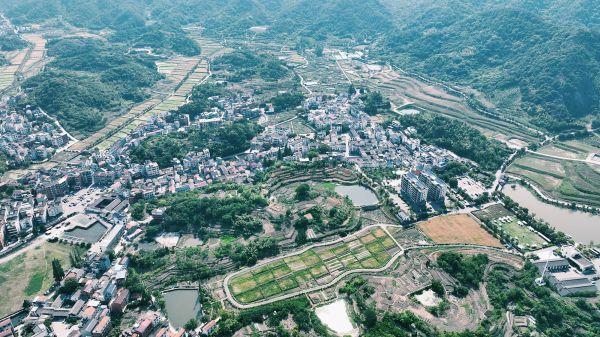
x=368 y=249
x=182 y=74
x=27 y=61
x=29 y=274
x=8 y=72
x=521 y=235
x=566 y=180
x=458 y=228
x=574 y=149
x=36 y=56
x=405 y=91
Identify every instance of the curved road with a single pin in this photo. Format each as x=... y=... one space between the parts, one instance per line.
x=587 y=160
x=393 y=259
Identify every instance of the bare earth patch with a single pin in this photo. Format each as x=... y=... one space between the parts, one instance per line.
x=458 y=228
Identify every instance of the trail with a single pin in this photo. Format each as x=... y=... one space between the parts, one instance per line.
x=588 y=160
x=391 y=262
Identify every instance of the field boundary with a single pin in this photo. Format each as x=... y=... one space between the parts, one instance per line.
x=391 y=262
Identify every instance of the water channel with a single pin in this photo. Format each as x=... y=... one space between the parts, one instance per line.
x=582 y=226
x=359 y=195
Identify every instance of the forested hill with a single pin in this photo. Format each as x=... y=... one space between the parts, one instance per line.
x=535 y=58
x=521 y=61
x=125 y=18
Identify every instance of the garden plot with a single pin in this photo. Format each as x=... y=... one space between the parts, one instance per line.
x=520 y=234
x=317 y=266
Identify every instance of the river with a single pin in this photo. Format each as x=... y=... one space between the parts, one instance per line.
x=582 y=226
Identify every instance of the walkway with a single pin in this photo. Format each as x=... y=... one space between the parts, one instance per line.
x=588 y=160
x=392 y=260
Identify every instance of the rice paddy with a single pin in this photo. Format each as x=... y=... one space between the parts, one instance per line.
x=371 y=248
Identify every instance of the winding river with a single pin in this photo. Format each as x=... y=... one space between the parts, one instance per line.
x=582 y=226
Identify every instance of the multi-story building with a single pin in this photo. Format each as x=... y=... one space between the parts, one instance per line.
x=152 y=170
x=413 y=189
x=436 y=188
x=54 y=188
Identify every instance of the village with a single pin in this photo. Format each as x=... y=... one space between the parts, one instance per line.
x=86 y=202
x=328 y=191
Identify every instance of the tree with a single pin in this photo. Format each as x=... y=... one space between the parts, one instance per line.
x=351 y=90
x=57 y=271
x=302 y=192
x=69 y=286
x=437 y=287
x=191 y=325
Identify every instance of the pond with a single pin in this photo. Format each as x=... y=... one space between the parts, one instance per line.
x=91 y=234
x=359 y=195
x=181 y=306
x=582 y=226
x=406 y=112
x=335 y=317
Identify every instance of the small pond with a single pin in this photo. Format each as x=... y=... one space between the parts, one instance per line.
x=181 y=305
x=359 y=195
x=335 y=317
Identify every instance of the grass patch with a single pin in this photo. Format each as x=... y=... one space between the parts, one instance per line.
x=35 y=283
x=227 y=239
x=29 y=274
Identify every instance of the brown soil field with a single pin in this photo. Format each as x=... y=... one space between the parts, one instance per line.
x=458 y=228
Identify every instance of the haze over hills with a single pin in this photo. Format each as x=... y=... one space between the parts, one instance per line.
x=299 y=168
x=539 y=59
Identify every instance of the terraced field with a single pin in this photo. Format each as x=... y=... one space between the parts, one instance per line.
x=574 y=149
x=36 y=56
x=8 y=72
x=566 y=180
x=26 y=61
x=405 y=91
x=371 y=248
x=182 y=74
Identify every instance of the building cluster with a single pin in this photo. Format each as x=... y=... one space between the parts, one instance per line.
x=87 y=302
x=47 y=197
x=29 y=136
x=342 y=131
x=22 y=213
x=420 y=185
x=346 y=133
x=567 y=270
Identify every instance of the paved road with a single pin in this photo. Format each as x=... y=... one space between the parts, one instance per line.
x=239 y=305
x=587 y=160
